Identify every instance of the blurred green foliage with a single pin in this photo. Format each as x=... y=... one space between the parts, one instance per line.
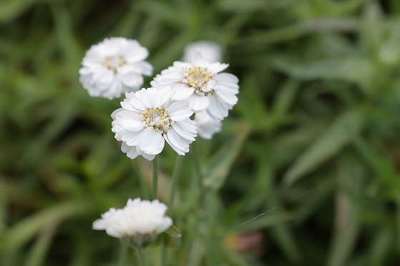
x=309 y=158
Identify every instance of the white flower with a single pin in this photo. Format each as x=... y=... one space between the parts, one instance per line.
x=147 y=118
x=113 y=67
x=140 y=220
x=202 y=85
x=206 y=125
x=202 y=52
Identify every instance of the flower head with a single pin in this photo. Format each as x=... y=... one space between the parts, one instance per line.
x=149 y=117
x=207 y=126
x=140 y=220
x=113 y=67
x=202 y=52
x=203 y=85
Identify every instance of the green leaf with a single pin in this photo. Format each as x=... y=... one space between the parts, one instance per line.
x=347 y=221
x=22 y=232
x=222 y=163
x=337 y=136
x=12 y=8
x=355 y=69
x=38 y=252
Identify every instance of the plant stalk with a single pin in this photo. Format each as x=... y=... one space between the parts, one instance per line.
x=155 y=177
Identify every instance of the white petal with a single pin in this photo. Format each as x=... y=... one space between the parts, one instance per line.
x=217 y=67
x=198 y=103
x=179 y=111
x=131 y=80
x=129 y=137
x=147 y=156
x=130 y=151
x=206 y=125
x=161 y=96
x=179 y=144
x=144 y=98
x=150 y=141
x=145 y=67
x=132 y=103
x=129 y=120
x=202 y=51
x=182 y=92
x=181 y=131
x=226 y=78
x=168 y=77
x=188 y=125
x=134 y=52
x=217 y=109
x=226 y=95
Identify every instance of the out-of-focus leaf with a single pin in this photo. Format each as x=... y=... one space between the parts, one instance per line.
x=338 y=135
x=66 y=38
x=252 y=107
x=347 y=221
x=221 y=165
x=22 y=232
x=380 y=247
x=292 y=32
x=372 y=32
x=3 y=211
x=382 y=166
x=317 y=8
x=268 y=220
x=285 y=98
x=245 y=6
x=352 y=69
x=10 y=9
x=38 y=253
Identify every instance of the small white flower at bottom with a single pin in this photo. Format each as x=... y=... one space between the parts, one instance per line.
x=150 y=117
x=207 y=126
x=202 y=52
x=139 y=221
x=113 y=67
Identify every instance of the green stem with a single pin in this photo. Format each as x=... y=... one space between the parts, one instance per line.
x=198 y=176
x=139 y=256
x=142 y=183
x=123 y=254
x=164 y=253
x=174 y=180
x=155 y=177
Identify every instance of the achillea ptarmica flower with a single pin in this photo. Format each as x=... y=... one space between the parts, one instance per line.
x=206 y=125
x=202 y=52
x=139 y=221
x=203 y=85
x=113 y=67
x=149 y=117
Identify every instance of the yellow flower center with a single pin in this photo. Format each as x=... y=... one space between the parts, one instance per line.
x=198 y=78
x=114 y=62
x=157 y=118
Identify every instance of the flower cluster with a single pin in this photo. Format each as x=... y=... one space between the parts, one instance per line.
x=187 y=99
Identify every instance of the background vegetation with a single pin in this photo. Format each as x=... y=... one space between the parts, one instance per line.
x=306 y=171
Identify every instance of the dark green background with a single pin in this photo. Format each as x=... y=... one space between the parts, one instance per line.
x=313 y=144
